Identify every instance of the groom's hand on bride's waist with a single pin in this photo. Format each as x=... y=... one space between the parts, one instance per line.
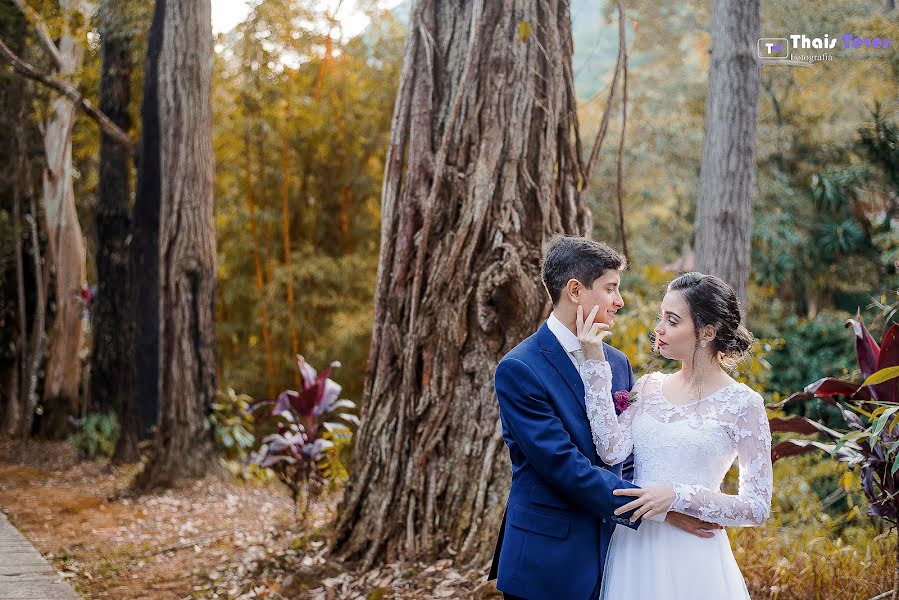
x=692 y=525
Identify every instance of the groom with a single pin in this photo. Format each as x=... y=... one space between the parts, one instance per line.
x=559 y=516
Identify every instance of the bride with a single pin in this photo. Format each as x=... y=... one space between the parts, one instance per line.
x=685 y=430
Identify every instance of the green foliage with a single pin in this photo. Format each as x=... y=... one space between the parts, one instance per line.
x=886 y=309
x=334 y=465
x=96 y=435
x=643 y=290
x=868 y=414
x=879 y=142
x=299 y=138
x=232 y=424
x=312 y=424
x=822 y=343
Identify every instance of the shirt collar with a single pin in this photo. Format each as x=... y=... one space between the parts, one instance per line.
x=568 y=340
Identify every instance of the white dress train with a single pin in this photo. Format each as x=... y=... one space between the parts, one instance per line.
x=691 y=447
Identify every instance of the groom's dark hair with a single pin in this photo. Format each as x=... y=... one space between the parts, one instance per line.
x=568 y=257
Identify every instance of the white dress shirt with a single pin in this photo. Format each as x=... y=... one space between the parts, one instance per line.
x=568 y=340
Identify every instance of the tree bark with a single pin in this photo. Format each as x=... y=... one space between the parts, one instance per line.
x=11 y=409
x=182 y=446
x=38 y=343
x=141 y=407
x=66 y=251
x=111 y=381
x=619 y=183
x=16 y=148
x=481 y=169
x=727 y=175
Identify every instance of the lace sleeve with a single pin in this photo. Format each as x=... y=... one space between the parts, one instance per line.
x=752 y=504
x=611 y=432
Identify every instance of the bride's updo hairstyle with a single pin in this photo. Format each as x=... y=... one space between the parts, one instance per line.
x=714 y=302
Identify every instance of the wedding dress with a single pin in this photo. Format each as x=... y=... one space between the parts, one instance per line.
x=691 y=446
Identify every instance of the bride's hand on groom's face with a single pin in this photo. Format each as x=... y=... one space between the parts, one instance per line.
x=591 y=334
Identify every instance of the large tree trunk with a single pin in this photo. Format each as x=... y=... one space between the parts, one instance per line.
x=727 y=175
x=110 y=379
x=140 y=409
x=182 y=447
x=66 y=251
x=482 y=168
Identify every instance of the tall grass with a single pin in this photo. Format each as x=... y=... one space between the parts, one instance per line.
x=818 y=544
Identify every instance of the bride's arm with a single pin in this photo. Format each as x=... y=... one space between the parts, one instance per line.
x=611 y=433
x=752 y=504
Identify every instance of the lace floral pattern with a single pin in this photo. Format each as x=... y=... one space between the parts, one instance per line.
x=690 y=446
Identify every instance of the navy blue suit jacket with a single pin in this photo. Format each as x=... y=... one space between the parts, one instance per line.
x=559 y=515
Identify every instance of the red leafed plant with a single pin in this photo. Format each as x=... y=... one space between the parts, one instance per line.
x=870 y=411
x=296 y=451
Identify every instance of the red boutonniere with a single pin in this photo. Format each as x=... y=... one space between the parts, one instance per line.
x=622 y=400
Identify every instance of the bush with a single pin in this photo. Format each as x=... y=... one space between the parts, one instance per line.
x=232 y=424
x=96 y=435
x=302 y=453
x=822 y=344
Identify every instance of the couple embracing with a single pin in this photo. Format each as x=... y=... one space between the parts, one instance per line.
x=571 y=414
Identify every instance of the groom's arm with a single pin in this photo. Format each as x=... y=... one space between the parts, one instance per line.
x=539 y=432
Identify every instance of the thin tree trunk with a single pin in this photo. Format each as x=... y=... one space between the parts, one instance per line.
x=727 y=175
x=268 y=252
x=345 y=206
x=12 y=412
x=285 y=220
x=38 y=343
x=481 y=170
x=329 y=50
x=257 y=265
x=10 y=409
x=111 y=380
x=619 y=187
x=66 y=251
x=183 y=447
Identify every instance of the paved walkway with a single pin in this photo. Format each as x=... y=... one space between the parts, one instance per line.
x=24 y=574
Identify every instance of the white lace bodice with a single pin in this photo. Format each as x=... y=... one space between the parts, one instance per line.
x=689 y=446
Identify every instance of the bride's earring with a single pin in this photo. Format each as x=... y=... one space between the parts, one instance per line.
x=703 y=344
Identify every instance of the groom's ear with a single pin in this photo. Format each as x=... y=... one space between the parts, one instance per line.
x=572 y=289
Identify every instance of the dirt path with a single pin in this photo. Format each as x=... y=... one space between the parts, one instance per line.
x=213 y=538
x=182 y=543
